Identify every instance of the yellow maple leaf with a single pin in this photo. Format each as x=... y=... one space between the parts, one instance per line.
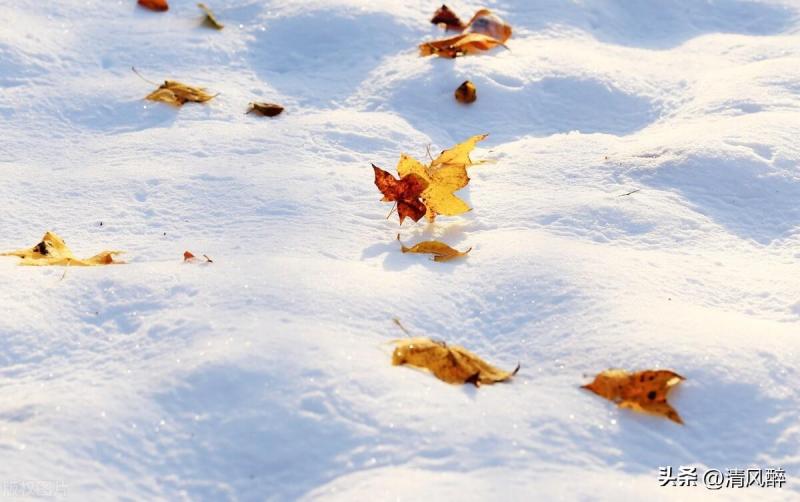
x=445 y=175
x=53 y=251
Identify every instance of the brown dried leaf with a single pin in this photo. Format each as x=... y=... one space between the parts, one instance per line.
x=53 y=251
x=449 y=363
x=448 y=19
x=210 y=19
x=440 y=251
x=644 y=391
x=265 y=109
x=466 y=93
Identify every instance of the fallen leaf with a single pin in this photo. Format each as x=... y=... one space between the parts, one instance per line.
x=450 y=363
x=485 y=31
x=486 y=22
x=190 y=257
x=405 y=192
x=439 y=250
x=644 y=391
x=446 y=17
x=210 y=20
x=445 y=175
x=53 y=251
x=265 y=109
x=466 y=93
x=176 y=94
x=156 y=5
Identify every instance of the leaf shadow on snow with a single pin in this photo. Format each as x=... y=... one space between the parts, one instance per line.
x=120 y=116
x=552 y=105
x=742 y=194
x=653 y=25
x=320 y=57
x=238 y=439
x=727 y=424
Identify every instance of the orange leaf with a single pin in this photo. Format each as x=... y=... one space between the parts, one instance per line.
x=156 y=5
x=644 y=391
x=485 y=31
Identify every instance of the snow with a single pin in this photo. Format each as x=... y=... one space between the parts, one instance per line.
x=267 y=375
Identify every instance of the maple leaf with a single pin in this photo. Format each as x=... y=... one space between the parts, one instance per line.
x=466 y=93
x=156 y=5
x=210 y=19
x=53 y=251
x=644 y=391
x=265 y=109
x=405 y=192
x=484 y=31
x=449 y=363
x=445 y=175
x=440 y=251
x=446 y=17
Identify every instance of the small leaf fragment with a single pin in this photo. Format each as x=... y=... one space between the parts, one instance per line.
x=643 y=391
x=441 y=252
x=448 y=19
x=405 y=192
x=265 y=109
x=156 y=5
x=466 y=93
x=176 y=94
x=53 y=251
x=449 y=363
x=210 y=19
x=190 y=257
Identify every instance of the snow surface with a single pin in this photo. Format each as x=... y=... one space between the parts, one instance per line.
x=267 y=375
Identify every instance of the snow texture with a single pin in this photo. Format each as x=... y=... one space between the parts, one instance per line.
x=266 y=375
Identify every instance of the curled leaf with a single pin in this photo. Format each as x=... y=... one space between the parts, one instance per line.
x=486 y=22
x=644 y=391
x=485 y=31
x=210 y=19
x=405 y=192
x=449 y=363
x=265 y=109
x=448 y=19
x=176 y=94
x=439 y=250
x=53 y=251
x=466 y=93
x=156 y=5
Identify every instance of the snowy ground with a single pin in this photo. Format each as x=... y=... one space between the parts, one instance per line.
x=267 y=375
